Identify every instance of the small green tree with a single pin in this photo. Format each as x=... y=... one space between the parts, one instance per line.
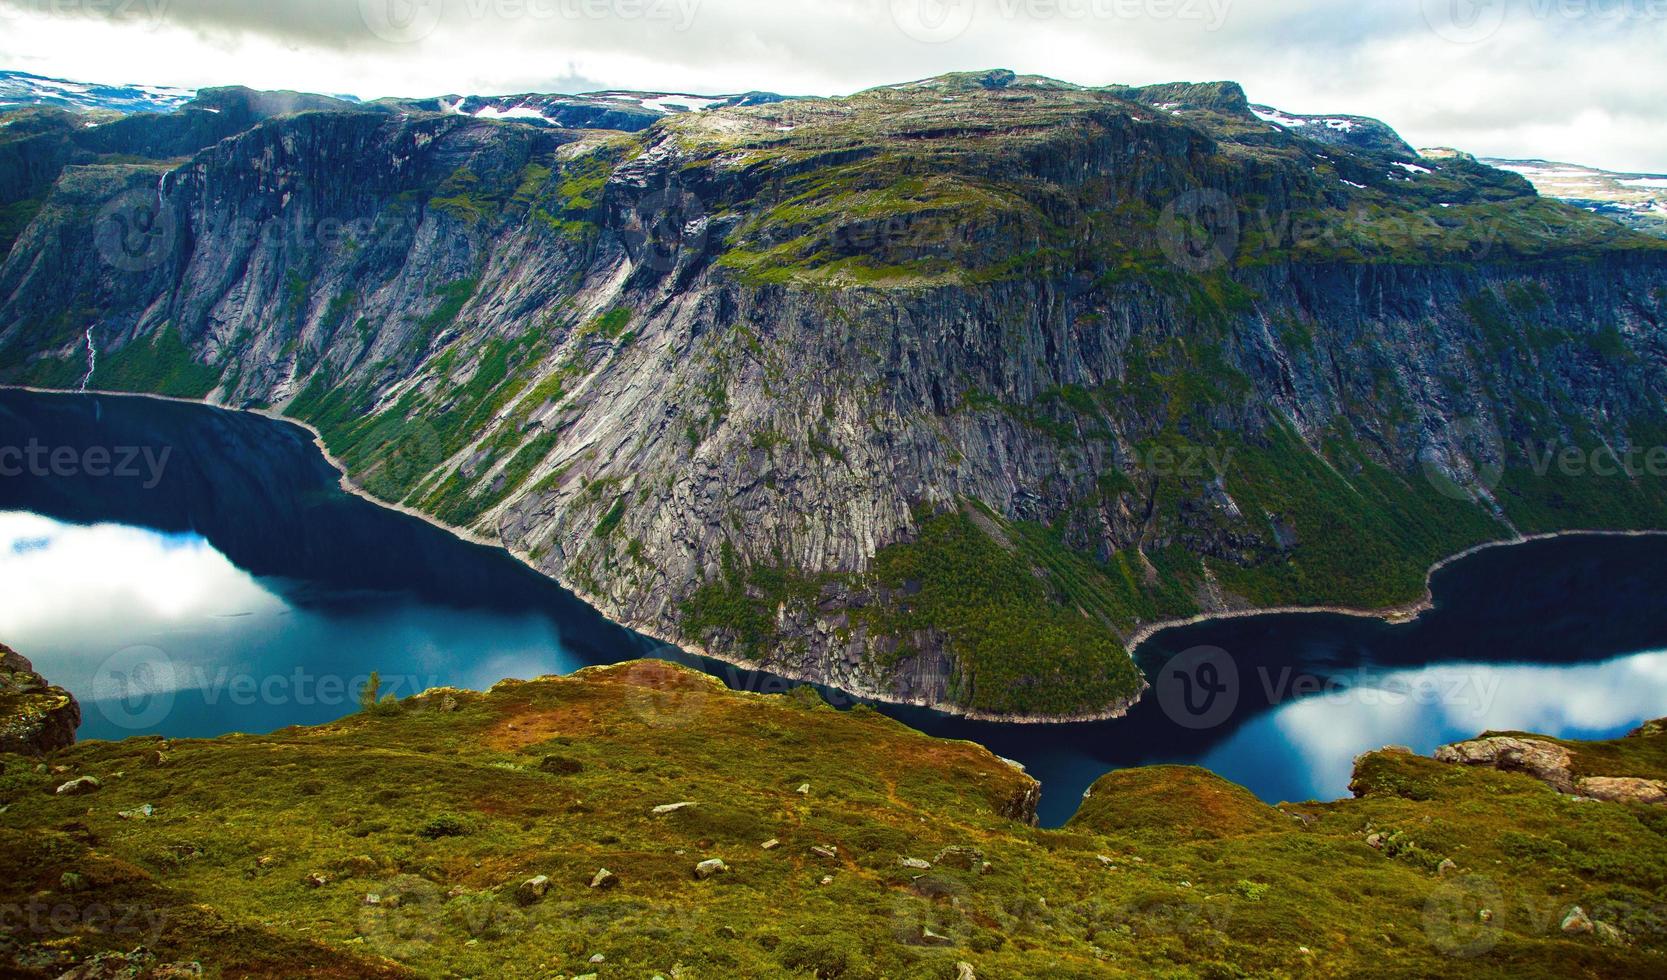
x=370 y=692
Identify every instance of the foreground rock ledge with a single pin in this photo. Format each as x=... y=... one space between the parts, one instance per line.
x=35 y=717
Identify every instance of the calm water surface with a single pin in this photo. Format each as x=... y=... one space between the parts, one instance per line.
x=235 y=587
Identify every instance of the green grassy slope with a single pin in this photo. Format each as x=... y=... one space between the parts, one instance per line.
x=260 y=853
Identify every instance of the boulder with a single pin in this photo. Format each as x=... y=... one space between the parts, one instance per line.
x=825 y=851
x=532 y=890
x=80 y=786
x=661 y=811
x=964 y=858
x=710 y=867
x=915 y=864
x=604 y=879
x=1577 y=923
x=964 y=971
x=35 y=717
x=1545 y=761
x=1624 y=789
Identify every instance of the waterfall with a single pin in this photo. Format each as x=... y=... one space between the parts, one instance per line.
x=92 y=360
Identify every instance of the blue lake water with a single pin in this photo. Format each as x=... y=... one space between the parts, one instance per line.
x=233 y=586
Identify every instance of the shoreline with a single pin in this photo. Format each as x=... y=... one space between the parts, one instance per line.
x=1407 y=612
x=1394 y=615
x=1109 y=713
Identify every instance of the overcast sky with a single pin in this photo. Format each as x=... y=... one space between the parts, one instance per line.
x=1579 y=80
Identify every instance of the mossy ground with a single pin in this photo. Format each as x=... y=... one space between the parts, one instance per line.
x=443 y=805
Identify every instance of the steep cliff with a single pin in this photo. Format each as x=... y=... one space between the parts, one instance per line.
x=934 y=393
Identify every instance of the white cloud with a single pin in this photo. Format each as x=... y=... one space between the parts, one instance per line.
x=1576 y=79
x=121 y=575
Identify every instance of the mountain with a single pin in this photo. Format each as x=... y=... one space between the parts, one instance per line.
x=1352 y=132
x=633 y=821
x=941 y=392
x=1638 y=201
x=23 y=89
x=627 y=111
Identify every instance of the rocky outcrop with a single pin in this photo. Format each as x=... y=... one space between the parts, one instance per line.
x=35 y=717
x=1623 y=789
x=1555 y=766
x=1545 y=761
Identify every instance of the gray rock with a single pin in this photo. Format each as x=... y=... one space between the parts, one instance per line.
x=915 y=864
x=1624 y=789
x=1577 y=923
x=604 y=879
x=710 y=867
x=672 y=808
x=957 y=856
x=80 y=786
x=1544 y=761
x=532 y=890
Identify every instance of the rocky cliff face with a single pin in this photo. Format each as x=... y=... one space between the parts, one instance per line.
x=934 y=393
x=35 y=717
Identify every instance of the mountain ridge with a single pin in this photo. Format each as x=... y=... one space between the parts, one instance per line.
x=943 y=426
